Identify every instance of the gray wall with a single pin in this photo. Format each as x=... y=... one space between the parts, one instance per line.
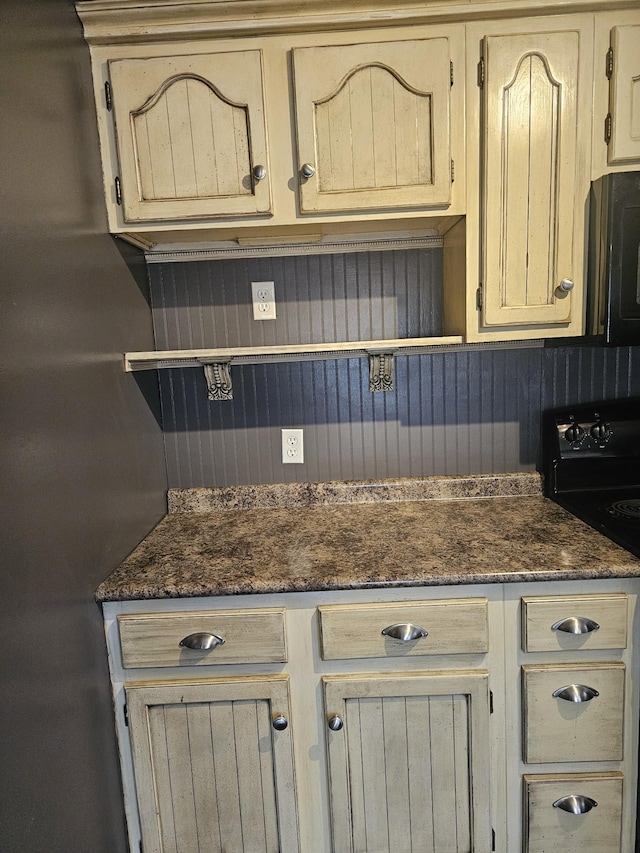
x=83 y=476
x=453 y=413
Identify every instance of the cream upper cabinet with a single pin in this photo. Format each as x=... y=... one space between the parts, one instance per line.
x=623 y=123
x=372 y=125
x=191 y=136
x=535 y=121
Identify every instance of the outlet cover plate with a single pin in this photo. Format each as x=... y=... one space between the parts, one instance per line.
x=292 y=446
x=263 y=294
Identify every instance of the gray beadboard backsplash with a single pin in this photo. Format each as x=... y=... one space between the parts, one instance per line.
x=468 y=412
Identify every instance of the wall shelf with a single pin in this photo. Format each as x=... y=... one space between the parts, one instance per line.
x=217 y=362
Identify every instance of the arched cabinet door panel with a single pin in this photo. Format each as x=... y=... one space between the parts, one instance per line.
x=190 y=135
x=535 y=183
x=372 y=122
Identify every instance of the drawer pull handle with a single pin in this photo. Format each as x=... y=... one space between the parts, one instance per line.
x=404 y=631
x=202 y=642
x=575 y=625
x=335 y=723
x=575 y=803
x=575 y=693
x=280 y=723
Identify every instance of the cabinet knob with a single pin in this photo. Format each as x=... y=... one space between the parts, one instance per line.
x=280 y=723
x=565 y=286
x=259 y=172
x=307 y=170
x=405 y=631
x=335 y=723
x=575 y=625
x=575 y=803
x=202 y=642
x=575 y=693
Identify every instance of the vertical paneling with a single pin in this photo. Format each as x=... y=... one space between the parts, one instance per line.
x=449 y=413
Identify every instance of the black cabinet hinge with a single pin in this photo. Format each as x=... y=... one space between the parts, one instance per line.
x=479 y=298
x=140 y=846
x=493 y=839
x=107 y=95
x=609 y=64
x=453 y=171
x=481 y=73
x=450 y=73
x=118 y=190
x=607 y=128
x=491 y=701
x=125 y=711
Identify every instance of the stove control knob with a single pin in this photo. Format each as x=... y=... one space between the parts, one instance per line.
x=600 y=432
x=574 y=433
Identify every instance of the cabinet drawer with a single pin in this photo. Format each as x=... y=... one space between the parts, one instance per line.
x=562 y=729
x=549 y=829
x=542 y=618
x=249 y=636
x=452 y=627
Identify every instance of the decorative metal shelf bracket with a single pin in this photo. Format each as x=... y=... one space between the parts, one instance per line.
x=381 y=371
x=218 y=377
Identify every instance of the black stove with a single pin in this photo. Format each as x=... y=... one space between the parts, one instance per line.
x=591 y=466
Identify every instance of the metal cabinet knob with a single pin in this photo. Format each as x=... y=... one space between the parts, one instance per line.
x=404 y=631
x=280 y=723
x=259 y=172
x=575 y=803
x=575 y=693
x=335 y=723
x=575 y=625
x=202 y=642
x=565 y=286
x=307 y=170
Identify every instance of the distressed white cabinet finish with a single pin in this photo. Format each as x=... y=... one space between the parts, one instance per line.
x=211 y=771
x=190 y=133
x=409 y=766
x=372 y=121
x=624 y=95
x=536 y=96
x=430 y=753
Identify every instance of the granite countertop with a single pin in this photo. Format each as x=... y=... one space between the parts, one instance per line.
x=437 y=531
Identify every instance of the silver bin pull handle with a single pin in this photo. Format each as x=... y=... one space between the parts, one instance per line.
x=404 y=631
x=575 y=693
x=575 y=625
x=575 y=803
x=202 y=642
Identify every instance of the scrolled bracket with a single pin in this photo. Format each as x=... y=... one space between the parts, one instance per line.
x=381 y=371
x=218 y=377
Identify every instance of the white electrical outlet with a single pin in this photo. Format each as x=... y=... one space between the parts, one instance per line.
x=264 y=300
x=292 y=446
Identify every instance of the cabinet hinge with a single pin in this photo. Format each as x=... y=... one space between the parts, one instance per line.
x=493 y=839
x=453 y=171
x=107 y=95
x=607 y=128
x=140 y=846
x=491 y=701
x=479 y=298
x=609 y=64
x=118 y=190
x=125 y=711
x=481 y=73
x=451 y=73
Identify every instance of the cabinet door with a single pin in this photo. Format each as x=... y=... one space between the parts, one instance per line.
x=373 y=124
x=535 y=184
x=624 y=97
x=211 y=771
x=190 y=132
x=409 y=768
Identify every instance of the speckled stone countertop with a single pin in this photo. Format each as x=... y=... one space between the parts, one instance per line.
x=520 y=536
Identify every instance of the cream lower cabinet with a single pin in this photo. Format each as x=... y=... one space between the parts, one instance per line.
x=213 y=765
x=409 y=762
x=379 y=721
